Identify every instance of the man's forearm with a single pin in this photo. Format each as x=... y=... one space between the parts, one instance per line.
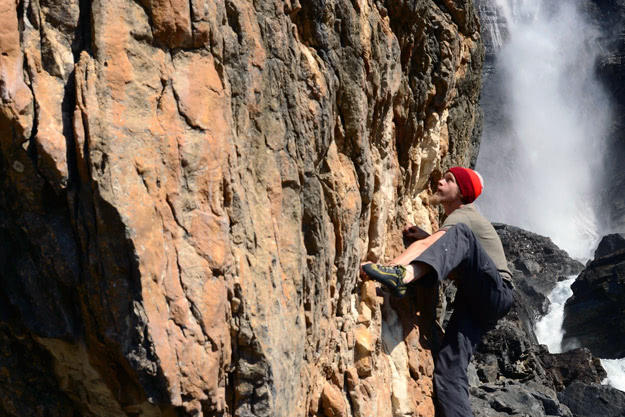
x=416 y=249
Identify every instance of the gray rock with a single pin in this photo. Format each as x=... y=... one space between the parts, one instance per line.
x=519 y=399
x=593 y=400
x=537 y=265
x=593 y=316
x=577 y=365
x=610 y=244
x=609 y=18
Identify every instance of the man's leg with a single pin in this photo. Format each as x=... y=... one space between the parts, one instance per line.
x=457 y=247
x=474 y=314
x=482 y=299
x=479 y=281
x=462 y=336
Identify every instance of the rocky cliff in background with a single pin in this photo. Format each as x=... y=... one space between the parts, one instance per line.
x=187 y=189
x=594 y=316
x=609 y=16
x=511 y=374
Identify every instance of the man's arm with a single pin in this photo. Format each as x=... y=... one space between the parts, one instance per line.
x=417 y=248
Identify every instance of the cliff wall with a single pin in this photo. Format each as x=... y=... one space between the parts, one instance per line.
x=610 y=16
x=187 y=189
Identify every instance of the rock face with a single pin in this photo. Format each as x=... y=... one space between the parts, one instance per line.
x=610 y=18
x=187 y=189
x=494 y=35
x=594 y=315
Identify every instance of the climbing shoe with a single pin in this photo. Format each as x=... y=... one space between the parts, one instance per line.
x=392 y=277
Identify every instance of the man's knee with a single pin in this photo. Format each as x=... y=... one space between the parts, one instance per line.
x=461 y=228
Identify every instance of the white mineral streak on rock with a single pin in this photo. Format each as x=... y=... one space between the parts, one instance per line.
x=395 y=348
x=427 y=156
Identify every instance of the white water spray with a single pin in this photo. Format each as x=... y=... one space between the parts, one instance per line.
x=549 y=332
x=544 y=136
x=615 y=369
x=549 y=329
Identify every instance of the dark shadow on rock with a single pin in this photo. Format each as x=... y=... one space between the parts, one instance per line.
x=594 y=316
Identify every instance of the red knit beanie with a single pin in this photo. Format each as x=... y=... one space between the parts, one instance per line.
x=469 y=182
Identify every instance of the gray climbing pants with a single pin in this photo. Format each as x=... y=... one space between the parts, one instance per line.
x=483 y=297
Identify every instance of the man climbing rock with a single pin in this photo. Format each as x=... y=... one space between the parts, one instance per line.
x=467 y=245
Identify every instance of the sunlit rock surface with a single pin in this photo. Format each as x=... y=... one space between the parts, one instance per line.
x=187 y=189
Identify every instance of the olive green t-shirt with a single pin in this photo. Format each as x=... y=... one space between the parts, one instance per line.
x=485 y=233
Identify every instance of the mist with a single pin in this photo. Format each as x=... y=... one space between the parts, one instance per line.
x=546 y=120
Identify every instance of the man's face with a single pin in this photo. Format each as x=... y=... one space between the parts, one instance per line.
x=447 y=190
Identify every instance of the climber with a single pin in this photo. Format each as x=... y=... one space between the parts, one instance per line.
x=467 y=245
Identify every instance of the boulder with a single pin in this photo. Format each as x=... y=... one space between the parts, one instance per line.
x=537 y=265
x=593 y=400
x=536 y=262
x=594 y=316
x=610 y=244
x=577 y=365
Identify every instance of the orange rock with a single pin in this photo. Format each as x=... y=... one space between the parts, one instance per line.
x=333 y=402
x=172 y=22
x=226 y=166
x=17 y=100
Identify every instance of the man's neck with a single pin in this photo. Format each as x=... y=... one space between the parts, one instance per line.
x=451 y=207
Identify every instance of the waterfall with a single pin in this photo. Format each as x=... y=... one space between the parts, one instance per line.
x=545 y=121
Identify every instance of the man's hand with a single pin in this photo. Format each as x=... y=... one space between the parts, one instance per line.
x=363 y=275
x=413 y=233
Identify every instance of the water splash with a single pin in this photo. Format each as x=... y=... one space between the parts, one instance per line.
x=549 y=332
x=545 y=125
x=616 y=373
x=549 y=328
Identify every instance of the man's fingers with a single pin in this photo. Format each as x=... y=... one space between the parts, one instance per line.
x=363 y=275
x=409 y=229
x=415 y=233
